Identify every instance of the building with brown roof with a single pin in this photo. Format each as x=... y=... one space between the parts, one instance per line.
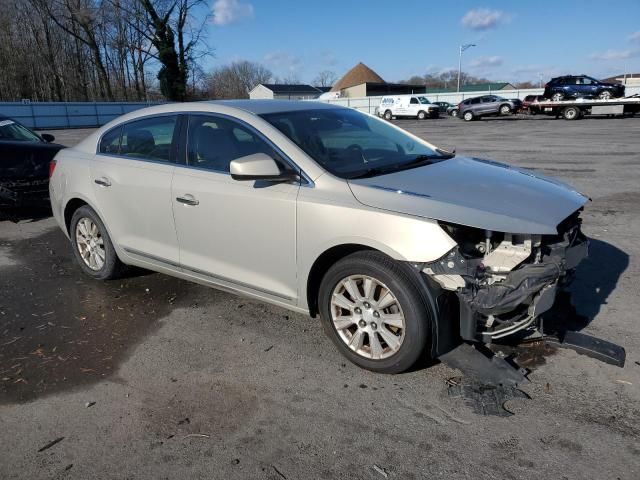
x=361 y=81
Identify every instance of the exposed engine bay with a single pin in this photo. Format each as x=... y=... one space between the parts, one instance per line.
x=504 y=281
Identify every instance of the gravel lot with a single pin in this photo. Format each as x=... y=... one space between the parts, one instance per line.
x=190 y=382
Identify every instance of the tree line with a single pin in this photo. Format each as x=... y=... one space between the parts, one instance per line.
x=89 y=50
x=449 y=80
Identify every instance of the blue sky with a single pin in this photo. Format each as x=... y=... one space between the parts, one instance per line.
x=516 y=40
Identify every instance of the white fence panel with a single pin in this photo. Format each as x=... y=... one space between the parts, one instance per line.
x=369 y=104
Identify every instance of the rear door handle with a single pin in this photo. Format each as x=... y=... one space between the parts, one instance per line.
x=103 y=182
x=188 y=199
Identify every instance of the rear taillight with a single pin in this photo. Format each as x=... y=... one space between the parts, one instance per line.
x=52 y=167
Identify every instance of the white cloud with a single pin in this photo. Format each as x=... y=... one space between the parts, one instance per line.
x=483 y=18
x=230 y=11
x=283 y=61
x=490 y=62
x=635 y=37
x=615 y=55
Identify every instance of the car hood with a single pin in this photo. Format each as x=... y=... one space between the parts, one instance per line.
x=474 y=192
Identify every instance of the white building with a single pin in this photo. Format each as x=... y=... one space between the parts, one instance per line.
x=282 y=91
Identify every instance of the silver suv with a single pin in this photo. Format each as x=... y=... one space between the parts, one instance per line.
x=401 y=248
x=487 y=105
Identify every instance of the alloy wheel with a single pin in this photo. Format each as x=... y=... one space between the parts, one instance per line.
x=368 y=317
x=90 y=244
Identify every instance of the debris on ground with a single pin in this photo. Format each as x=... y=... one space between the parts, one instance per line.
x=51 y=444
x=381 y=471
x=485 y=399
x=89 y=404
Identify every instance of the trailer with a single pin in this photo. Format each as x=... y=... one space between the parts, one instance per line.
x=579 y=108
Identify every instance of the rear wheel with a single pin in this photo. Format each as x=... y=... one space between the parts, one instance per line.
x=468 y=116
x=571 y=113
x=557 y=97
x=421 y=115
x=92 y=246
x=605 y=95
x=505 y=109
x=388 y=115
x=374 y=311
x=454 y=112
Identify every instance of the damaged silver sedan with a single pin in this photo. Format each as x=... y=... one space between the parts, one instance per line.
x=401 y=248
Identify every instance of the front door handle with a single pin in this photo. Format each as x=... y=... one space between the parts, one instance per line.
x=103 y=182
x=188 y=199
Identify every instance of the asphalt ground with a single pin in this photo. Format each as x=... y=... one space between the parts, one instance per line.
x=153 y=377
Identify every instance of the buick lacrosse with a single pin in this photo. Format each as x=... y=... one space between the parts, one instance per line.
x=401 y=248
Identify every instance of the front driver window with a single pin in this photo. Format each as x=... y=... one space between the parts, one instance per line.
x=213 y=142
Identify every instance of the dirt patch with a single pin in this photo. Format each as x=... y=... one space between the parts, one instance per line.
x=60 y=329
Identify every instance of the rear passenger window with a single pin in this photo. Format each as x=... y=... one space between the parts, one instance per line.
x=414 y=101
x=110 y=142
x=149 y=139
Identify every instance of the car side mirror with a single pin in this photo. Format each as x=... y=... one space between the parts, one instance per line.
x=259 y=166
x=47 y=137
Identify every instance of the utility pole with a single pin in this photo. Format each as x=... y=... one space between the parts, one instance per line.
x=462 y=49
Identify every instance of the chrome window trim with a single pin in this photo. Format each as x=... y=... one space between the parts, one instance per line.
x=305 y=180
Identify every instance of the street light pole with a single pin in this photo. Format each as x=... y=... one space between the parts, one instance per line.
x=462 y=49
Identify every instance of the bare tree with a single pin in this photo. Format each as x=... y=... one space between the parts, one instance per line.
x=236 y=79
x=325 y=78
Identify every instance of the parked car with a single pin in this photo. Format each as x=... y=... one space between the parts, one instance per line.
x=529 y=104
x=408 y=106
x=400 y=247
x=487 y=105
x=24 y=164
x=443 y=107
x=452 y=111
x=575 y=86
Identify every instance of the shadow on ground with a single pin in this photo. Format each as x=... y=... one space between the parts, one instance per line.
x=60 y=329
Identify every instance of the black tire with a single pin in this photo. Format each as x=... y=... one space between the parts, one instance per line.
x=113 y=267
x=605 y=95
x=557 y=97
x=454 y=112
x=504 y=109
x=411 y=296
x=388 y=115
x=571 y=113
x=468 y=116
x=422 y=115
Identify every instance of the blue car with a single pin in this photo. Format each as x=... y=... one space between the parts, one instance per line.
x=576 y=86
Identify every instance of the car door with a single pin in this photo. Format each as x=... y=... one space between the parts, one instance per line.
x=237 y=233
x=489 y=104
x=414 y=106
x=131 y=176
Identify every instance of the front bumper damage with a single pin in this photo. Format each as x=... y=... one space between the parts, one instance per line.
x=504 y=284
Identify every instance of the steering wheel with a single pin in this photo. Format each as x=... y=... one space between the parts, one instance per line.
x=354 y=147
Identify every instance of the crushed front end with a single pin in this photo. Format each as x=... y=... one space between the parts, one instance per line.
x=504 y=282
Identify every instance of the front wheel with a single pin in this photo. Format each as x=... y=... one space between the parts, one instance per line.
x=468 y=116
x=92 y=246
x=557 y=97
x=421 y=115
x=605 y=95
x=505 y=110
x=373 y=309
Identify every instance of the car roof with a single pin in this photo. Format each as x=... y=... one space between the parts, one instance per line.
x=260 y=107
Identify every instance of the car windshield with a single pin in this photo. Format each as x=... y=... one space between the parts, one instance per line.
x=350 y=144
x=10 y=130
x=424 y=100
